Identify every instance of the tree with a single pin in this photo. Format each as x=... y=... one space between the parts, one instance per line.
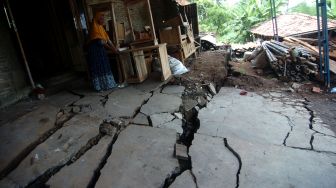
x=232 y=24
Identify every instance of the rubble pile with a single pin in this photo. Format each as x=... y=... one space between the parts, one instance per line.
x=238 y=50
x=287 y=60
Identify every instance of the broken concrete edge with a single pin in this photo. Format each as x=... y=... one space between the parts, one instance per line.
x=189 y=159
x=42 y=179
x=97 y=173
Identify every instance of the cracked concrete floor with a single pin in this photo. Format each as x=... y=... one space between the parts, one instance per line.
x=257 y=140
x=274 y=140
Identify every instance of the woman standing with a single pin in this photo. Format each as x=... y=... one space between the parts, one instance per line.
x=100 y=70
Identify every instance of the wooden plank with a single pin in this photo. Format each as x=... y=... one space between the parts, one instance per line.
x=140 y=65
x=170 y=35
x=310 y=47
x=121 y=31
x=144 y=48
x=114 y=26
x=332 y=66
x=130 y=23
x=123 y=63
x=166 y=72
x=188 y=48
x=305 y=44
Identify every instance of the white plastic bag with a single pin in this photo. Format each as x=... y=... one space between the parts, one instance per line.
x=176 y=66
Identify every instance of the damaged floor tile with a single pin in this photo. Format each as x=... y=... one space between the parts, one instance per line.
x=212 y=163
x=81 y=172
x=125 y=102
x=141 y=157
x=161 y=103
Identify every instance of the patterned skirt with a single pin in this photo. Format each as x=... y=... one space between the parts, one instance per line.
x=99 y=66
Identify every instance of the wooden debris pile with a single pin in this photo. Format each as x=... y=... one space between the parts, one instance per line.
x=238 y=50
x=287 y=60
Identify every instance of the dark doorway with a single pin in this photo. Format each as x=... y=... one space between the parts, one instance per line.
x=48 y=32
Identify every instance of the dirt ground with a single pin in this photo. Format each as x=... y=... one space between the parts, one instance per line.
x=208 y=67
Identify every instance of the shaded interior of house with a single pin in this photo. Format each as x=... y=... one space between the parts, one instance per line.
x=51 y=37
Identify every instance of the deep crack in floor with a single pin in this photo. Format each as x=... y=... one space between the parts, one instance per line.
x=238 y=158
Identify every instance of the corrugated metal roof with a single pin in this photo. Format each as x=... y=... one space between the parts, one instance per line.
x=291 y=24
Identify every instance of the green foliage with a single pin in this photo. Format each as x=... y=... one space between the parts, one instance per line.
x=232 y=24
x=304 y=8
x=310 y=9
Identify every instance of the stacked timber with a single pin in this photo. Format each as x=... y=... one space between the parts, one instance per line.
x=287 y=60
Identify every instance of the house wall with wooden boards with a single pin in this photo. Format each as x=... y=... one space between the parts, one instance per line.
x=12 y=75
x=138 y=13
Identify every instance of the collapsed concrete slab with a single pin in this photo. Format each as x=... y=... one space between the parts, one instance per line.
x=161 y=103
x=57 y=150
x=141 y=157
x=20 y=136
x=212 y=163
x=81 y=172
x=125 y=102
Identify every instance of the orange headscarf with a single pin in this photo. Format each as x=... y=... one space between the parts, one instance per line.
x=97 y=30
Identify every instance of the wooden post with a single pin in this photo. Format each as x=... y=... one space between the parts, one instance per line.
x=152 y=22
x=130 y=22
